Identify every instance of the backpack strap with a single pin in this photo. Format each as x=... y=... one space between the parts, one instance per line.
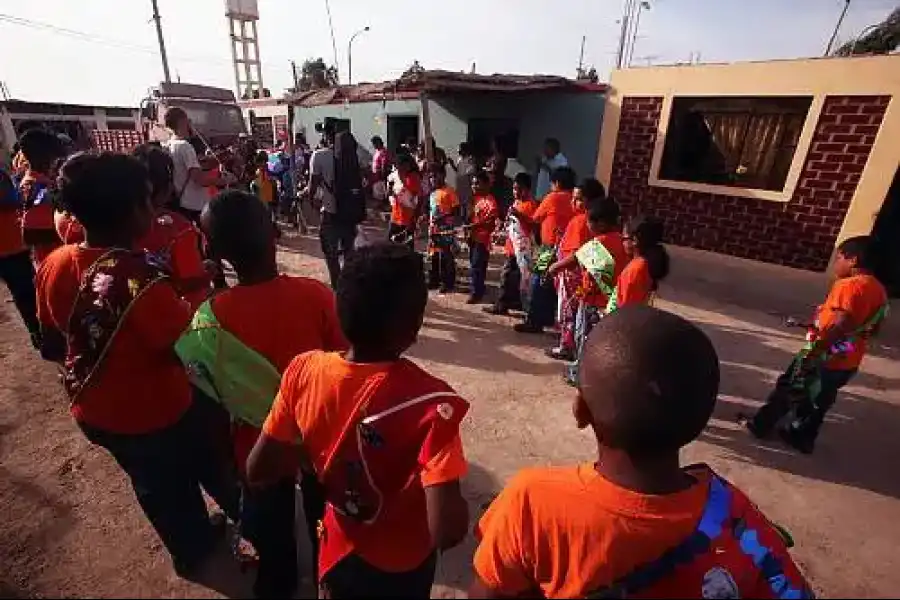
x=712 y=522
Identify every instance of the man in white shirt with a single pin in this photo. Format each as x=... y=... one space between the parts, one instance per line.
x=551 y=160
x=188 y=177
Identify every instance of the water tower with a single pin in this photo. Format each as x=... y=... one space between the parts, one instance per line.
x=242 y=17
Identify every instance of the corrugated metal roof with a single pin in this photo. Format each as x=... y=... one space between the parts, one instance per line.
x=411 y=84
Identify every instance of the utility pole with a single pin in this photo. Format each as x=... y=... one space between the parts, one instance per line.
x=837 y=28
x=162 y=42
x=296 y=77
x=623 y=36
x=581 y=57
x=333 y=43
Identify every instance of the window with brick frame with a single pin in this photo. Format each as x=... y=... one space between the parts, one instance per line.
x=745 y=142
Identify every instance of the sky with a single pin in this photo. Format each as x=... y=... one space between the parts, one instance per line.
x=108 y=55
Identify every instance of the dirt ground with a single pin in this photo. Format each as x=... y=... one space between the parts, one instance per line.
x=70 y=526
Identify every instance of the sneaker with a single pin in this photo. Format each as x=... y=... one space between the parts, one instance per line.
x=560 y=353
x=527 y=327
x=803 y=446
x=496 y=309
x=751 y=427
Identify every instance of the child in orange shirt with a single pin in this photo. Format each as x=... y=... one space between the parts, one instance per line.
x=112 y=319
x=42 y=149
x=634 y=523
x=552 y=218
x=173 y=241
x=648 y=266
x=481 y=227
x=578 y=233
x=260 y=319
x=406 y=187
x=443 y=217
x=381 y=434
x=836 y=345
x=512 y=284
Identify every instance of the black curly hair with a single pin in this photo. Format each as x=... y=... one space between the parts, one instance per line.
x=381 y=297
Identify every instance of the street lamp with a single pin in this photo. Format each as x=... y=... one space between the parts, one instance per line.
x=350 y=54
x=644 y=5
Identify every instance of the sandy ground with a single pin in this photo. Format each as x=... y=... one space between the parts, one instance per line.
x=70 y=527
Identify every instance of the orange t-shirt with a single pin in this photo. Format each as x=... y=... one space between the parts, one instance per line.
x=140 y=386
x=565 y=532
x=527 y=208
x=484 y=219
x=635 y=283
x=68 y=228
x=412 y=189
x=859 y=297
x=319 y=392
x=554 y=213
x=11 y=232
x=578 y=233
x=279 y=319
x=173 y=237
x=614 y=244
x=40 y=216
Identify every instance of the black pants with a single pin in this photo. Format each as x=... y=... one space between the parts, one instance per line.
x=267 y=520
x=17 y=272
x=443 y=269
x=542 y=310
x=402 y=232
x=314 y=510
x=166 y=469
x=337 y=239
x=478 y=264
x=510 y=282
x=808 y=416
x=353 y=577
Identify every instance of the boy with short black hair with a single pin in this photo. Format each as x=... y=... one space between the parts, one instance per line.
x=381 y=434
x=443 y=217
x=836 y=344
x=634 y=522
x=42 y=149
x=239 y=344
x=481 y=228
x=515 y=277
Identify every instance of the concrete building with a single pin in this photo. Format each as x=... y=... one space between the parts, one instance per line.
x=75 y=120
x=775 y=161
x=519 y=112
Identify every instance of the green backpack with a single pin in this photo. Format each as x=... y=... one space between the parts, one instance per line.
x=226 y=369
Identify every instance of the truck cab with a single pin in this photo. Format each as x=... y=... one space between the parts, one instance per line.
x=214 y=112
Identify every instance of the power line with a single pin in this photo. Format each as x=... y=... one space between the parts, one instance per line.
x=96 y=39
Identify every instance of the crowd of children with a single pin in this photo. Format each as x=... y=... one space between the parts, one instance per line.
x=279 y=382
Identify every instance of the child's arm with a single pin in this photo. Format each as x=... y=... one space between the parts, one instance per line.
x=566 y=264
x=448 y=512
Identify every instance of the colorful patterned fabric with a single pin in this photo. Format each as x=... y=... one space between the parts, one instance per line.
x=597 y=261
x=442 y=208
x=518 y=236
x=109 y=288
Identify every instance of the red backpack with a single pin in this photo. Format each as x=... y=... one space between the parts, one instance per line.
x=735 y=552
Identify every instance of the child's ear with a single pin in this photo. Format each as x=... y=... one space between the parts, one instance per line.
x=581 y=412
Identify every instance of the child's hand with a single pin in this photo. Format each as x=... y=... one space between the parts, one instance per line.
x=554 y=269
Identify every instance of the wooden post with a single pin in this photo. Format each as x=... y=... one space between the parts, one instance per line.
x=426 y=127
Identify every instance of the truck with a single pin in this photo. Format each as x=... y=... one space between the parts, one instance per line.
x=214 y=112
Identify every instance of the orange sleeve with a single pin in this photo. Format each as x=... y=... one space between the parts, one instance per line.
x=159 y=317
x=850 y=297
x=39 y=217
x=44 y=281
x=634 y=285
x=529 y=208
x=281 y=424
x=449 y=464
x=501 y=560
x=542 y=211
x=185 y=256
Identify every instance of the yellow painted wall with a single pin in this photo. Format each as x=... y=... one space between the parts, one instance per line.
x=858 y=76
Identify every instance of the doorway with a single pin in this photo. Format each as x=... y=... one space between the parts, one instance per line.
x=886 y=234
x=401 y=129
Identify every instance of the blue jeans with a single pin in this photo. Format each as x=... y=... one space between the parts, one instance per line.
x=478 y=264
x=542 y=310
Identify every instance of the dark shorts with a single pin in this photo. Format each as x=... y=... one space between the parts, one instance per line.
x=353 y=577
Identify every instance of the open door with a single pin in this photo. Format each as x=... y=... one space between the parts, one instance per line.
x=886 y=233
